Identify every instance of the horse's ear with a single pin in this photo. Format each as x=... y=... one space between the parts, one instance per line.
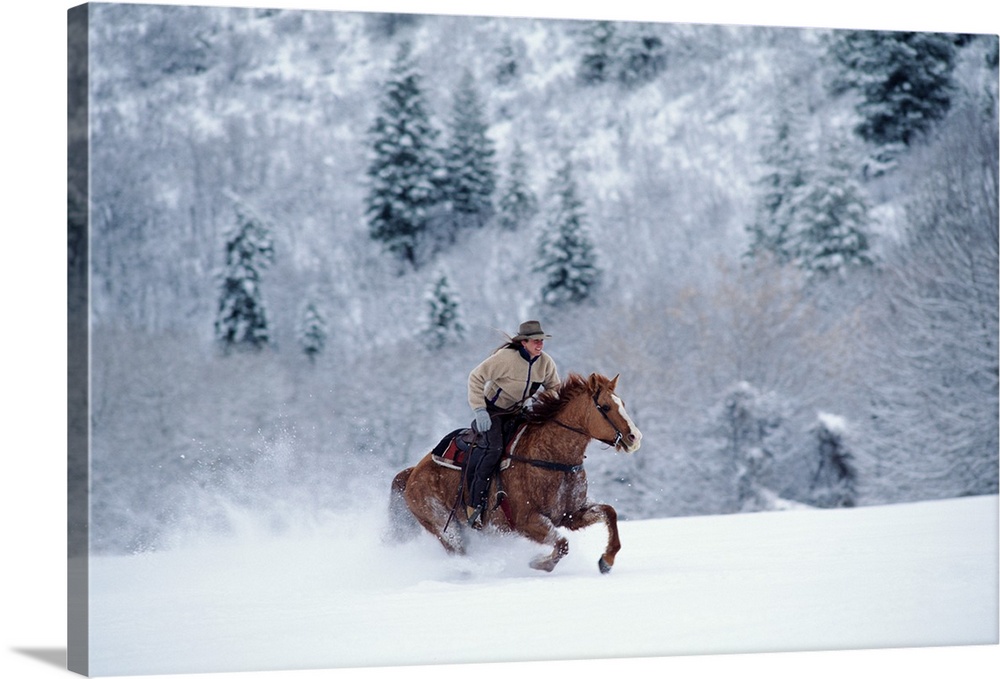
x=614 y=382
x=593 y=382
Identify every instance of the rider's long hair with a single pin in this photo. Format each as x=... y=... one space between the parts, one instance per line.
x=512 y=344
x=509 y=343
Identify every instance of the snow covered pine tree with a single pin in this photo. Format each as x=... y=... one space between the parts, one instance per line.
x=311 y=330
x=241 y=320
x=470 y=169
x=444 y=322
x=567 y=259
x=403 y=165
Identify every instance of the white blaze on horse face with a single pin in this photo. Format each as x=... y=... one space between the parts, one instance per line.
x=634 y=445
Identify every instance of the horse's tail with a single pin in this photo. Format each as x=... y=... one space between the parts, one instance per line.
x=402 y=524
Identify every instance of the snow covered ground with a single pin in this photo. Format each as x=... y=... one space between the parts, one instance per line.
x=334 y=595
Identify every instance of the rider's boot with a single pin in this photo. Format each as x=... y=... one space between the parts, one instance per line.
x=475 y=516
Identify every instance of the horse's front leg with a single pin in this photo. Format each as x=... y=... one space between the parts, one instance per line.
x=591 y=514
x=541 y=529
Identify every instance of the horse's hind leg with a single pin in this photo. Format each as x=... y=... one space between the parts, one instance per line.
x=591 y=515
x=402 y=525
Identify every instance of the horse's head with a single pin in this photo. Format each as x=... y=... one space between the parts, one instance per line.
x=608 y=421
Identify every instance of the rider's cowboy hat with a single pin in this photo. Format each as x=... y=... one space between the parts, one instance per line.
x=530 y=330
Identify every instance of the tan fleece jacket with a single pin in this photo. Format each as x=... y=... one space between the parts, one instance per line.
x=507 y=378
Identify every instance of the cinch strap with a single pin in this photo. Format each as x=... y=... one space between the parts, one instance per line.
x=545 y=464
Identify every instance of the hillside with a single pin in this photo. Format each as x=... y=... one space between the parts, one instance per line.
x=194 y=111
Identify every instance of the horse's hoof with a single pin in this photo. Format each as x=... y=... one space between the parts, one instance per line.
x=603 y=565
x=543 y=565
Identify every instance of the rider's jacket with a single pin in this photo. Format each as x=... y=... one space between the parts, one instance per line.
x=509 y=377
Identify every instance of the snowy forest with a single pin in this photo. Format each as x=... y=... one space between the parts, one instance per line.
x=307 y=227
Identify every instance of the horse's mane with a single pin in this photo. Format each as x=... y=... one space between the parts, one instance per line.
x=549 y=403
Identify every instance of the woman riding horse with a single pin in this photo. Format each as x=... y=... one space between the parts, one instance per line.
x=545 y=481
x=499 y=387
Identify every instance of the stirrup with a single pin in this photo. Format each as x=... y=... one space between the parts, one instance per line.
x=475 y=516
x=499 y=498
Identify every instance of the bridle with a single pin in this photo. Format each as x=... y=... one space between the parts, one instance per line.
x=574 y=468
x=603 y=410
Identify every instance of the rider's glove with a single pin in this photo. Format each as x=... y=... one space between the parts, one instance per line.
x=483 y=421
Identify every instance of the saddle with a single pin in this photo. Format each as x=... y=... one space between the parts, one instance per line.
x=453 y=450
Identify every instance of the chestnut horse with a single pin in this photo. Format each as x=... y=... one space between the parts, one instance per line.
x=544 y=479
